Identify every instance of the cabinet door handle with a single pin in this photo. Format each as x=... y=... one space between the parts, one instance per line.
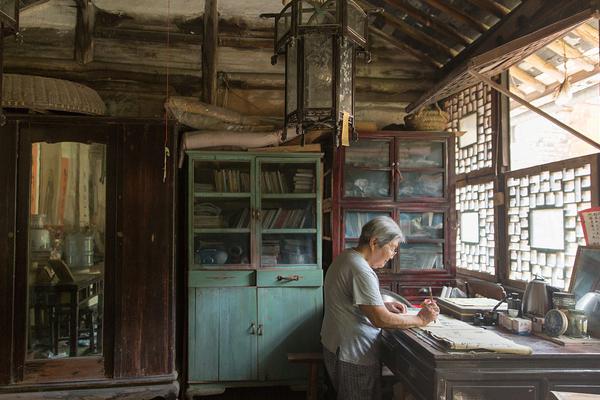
x=288 y=278
x=260 y=330
x=253 y=328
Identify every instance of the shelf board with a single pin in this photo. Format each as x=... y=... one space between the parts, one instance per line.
x=221 y=230
x=222 y=194
x=289 y=230
x=288 y=195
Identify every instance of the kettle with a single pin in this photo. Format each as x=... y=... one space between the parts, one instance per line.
x=590 y=304
x=537 y=297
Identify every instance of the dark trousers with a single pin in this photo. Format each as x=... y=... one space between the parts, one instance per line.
x=353 y=381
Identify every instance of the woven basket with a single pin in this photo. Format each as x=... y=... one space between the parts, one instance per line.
x=433 y=119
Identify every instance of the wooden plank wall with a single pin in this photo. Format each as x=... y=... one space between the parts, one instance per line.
x=130 y=59
x=145 y=329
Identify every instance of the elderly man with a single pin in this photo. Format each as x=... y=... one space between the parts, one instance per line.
x=355 y=312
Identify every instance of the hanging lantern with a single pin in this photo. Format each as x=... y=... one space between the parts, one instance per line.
x=9 y=16
x=319 y=40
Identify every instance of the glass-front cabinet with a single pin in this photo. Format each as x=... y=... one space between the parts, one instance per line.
x=255 y=212
x=407 y=176
x=254 y=274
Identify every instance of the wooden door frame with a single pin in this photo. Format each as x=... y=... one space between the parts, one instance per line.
x=80 y=368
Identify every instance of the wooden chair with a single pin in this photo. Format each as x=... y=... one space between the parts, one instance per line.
x=314 y=360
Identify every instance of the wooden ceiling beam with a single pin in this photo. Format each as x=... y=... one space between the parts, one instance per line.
x=396 y=43
x=563 y=49
x=497 y=9
x=587 y=33
x=545 y=66
x=527 y=79
x=209 y=52
x=429 y=22
x=458 y=15
x=418 y=35
x=84 y=31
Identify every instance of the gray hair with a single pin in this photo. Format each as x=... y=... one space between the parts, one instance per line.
x=383 y=229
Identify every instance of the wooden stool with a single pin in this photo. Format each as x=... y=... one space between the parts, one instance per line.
x=313 y=360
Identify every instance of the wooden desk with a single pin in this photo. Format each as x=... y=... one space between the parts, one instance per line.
x=430 y=372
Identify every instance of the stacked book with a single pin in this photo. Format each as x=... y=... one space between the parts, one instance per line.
x=304 y=181
x=207 y=215
x=270 y=252
x=240 y=219
x=231 y=180
x=204 y=187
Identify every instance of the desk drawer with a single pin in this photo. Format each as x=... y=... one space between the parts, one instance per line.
x=221 y=278
x=290 y=278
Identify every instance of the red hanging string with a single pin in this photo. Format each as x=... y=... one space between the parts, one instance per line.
x=166 y=147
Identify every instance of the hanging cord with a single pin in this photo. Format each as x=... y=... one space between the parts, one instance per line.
x=166 y=150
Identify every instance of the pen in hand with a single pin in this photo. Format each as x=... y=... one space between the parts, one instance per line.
x=432 y=301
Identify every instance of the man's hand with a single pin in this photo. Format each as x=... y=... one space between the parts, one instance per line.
x=395 y=307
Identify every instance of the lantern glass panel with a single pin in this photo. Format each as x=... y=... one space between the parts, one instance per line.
x=345 y=91
x=357 y=20
x=8 y=9
x=314 y=12
x=318 y=70
x=291 y=84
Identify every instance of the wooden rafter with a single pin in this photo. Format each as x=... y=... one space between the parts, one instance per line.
x=430 y=22
x=458 y=15
x=84 y=31
x=493 y=7
x=527 y=79
x=403 y=46
x=588 y=34
x=508 y=42
x=535 y=109
x=417 y=34
x=209 y=52
x=545 y=66
x=562 y=48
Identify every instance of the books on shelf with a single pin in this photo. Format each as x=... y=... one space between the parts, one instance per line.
x=208 y=215
x=285 y=218
x=231 y=180
x=273 y=182
x=204 y=187
x=304 y=181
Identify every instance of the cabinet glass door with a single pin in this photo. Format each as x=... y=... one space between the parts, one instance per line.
x=354 y=220
x=420 y=170
x=288 y=213
x=424 y=246
x=367 y=169
x=221 y=213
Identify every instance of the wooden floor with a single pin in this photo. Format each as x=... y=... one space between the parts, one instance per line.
x=270 y=393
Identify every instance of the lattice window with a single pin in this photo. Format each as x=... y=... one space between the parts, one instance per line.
x=476 y=154
x=475 y=239
x=539 y=202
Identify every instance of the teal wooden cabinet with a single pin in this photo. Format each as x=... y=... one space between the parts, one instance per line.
x=254 y=267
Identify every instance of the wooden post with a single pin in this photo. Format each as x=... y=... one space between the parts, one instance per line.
x=209 y=52
x=84 y=31
x=535 y=109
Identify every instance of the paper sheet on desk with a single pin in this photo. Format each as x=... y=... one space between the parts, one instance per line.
x=459 y=335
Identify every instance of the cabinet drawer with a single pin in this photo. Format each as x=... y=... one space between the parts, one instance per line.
x=290 y=278
x=221 y=278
